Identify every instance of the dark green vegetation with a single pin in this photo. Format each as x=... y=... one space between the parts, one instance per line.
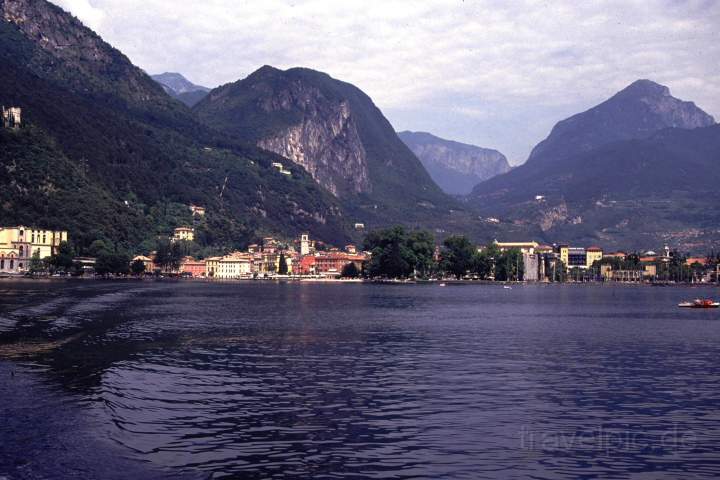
x=270 y=101
x=618 y=177
x=99 y=133
x=398 y=253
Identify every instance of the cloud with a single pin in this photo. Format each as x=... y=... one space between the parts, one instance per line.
x=82 y=9
x=449 y=62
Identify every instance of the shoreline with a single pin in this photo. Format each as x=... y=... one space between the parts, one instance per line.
x=341 y=281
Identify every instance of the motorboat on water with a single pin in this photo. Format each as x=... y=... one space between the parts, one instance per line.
x=700 y=303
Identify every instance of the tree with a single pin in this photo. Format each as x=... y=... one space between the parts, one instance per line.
x=282 y=267
x=422 y=243
x=483 y=264
x=392 y=256
x=509 y=266
x=350 y=270
x=63 y=259
x=137 y=267
x=169 y=255
x=112 y=263
x=458 y=256
x=36 y=263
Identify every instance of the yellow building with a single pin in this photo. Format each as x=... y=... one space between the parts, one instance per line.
x=233 y=266
x=19 y=244
x=593 y=254
x=184 y=233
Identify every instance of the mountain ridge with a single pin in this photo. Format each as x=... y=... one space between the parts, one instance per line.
x=625 y=188
x=456 y=167
x=312 y=119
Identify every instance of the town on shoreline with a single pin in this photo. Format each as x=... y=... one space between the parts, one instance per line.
x=391 y=254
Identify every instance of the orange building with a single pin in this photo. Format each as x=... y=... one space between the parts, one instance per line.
x=192 y=267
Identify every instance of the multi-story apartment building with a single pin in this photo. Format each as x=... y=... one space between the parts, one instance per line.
x=19 y=244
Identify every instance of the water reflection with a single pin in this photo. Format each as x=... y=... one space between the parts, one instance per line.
x=336 y=381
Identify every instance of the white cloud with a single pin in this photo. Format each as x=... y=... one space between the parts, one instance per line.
x=448 y=61
x=82 y=9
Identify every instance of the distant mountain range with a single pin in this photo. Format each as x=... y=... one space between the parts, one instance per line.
x=637 y=170
x=181 y=88
x=456 y=167
x=108 y=153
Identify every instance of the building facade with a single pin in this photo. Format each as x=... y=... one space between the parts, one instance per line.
x=19 y=244
x=184 y=233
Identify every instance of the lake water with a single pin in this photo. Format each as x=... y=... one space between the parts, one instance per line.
x=297 y=381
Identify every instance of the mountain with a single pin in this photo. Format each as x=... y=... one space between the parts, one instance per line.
x=97 y=125
x=637 y=171
x=456 y=167
x=638 y=111
x=181 y=88
x=335 y=132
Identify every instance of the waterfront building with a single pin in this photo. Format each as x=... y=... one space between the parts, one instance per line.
x=524 y=247
x=332 y=263
x=19 y=244
x=592 y=255
x=147 y=261
x=183 y=233
x=578 y=257
x=192 y=267
x=234 y=266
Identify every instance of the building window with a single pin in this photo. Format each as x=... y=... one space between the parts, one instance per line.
x=22 y=250
x=12 y=264
x=2 y=264
x=44 y=239
x=33 y=237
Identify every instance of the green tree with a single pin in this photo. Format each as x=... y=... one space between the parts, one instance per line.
x=169 y=255
x=392 y=257
x=422 y=243
x=282 y=265
x=117 y=263
x=137 y=267
x=509 y=266
x=350 y=270
x=483 y=264
x=63 y=259
x=36 y=263
x=458 y=256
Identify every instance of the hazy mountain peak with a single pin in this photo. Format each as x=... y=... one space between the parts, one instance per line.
x=644 y=87
x=636 y=112
x=456 y=167
x=178 y=83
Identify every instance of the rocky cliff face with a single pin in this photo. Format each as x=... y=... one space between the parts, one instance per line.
x=325 y=141
x=337 y=134
x=455 y=167
x=71 y=53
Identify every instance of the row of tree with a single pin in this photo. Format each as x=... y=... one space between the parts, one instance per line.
x=398 y=253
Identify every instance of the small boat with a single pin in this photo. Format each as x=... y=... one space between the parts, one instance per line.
x=700 y=303
x=442 y=285
x=507 y=287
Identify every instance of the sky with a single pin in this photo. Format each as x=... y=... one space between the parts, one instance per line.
x=497 y=74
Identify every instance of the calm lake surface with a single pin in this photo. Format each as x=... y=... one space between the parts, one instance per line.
x=265 y=380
